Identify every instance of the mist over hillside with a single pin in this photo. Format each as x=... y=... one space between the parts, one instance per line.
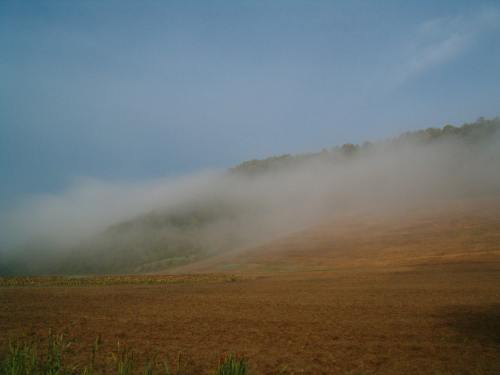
x=97 y=227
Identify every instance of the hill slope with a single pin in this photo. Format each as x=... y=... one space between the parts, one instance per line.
x=261 y=200
x=452 y=232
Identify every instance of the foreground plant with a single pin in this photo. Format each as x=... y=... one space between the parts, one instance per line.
x=57 y=347
x=23 y=358
x=89 y=370
x=124 y=360
x=49 y=357
x=232 y=365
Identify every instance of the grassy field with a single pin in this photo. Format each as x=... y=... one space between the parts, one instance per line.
x=411 y=294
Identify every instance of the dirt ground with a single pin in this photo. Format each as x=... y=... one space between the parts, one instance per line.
x=372 y=296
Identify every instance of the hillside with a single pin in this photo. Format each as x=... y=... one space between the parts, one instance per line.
x=260 y=200
x=450 y=233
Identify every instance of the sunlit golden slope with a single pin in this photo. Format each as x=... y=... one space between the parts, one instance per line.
x=454 y=232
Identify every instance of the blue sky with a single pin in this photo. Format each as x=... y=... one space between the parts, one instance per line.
x=133 y=90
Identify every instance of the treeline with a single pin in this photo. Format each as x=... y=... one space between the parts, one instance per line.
x=469 y=133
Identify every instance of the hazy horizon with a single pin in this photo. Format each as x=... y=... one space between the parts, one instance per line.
x=126 y=92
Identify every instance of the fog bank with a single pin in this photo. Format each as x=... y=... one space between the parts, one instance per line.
x=212 y=211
